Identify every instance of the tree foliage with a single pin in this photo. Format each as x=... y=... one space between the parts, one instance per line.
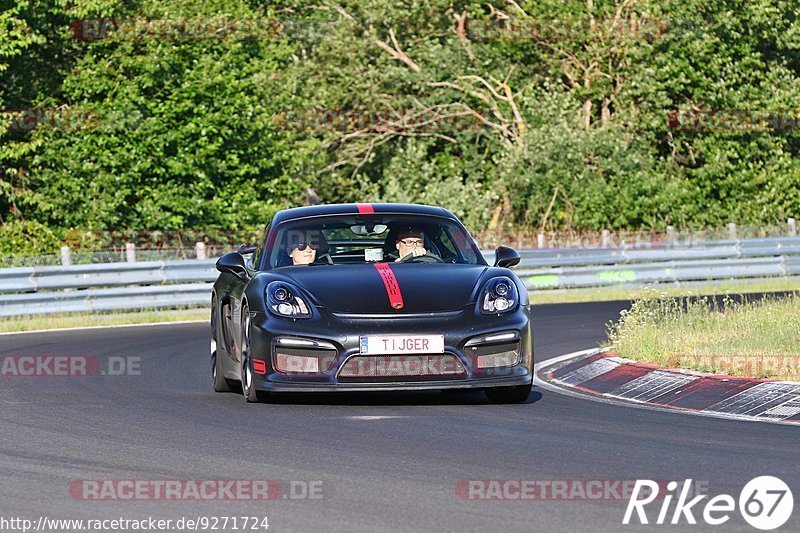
x=580 y=114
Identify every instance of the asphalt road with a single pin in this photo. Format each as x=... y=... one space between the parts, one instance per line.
x=385 y=462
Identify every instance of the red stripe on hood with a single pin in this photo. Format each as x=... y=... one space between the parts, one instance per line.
x=365 y=209
x=392 y=287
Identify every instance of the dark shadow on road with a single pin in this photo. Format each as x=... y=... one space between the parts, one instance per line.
x=450 y=397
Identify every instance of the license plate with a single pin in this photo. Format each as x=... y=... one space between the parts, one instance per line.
x=401 y=344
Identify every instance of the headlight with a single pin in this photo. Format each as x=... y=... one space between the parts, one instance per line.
x=285 y=301
x=499 y=296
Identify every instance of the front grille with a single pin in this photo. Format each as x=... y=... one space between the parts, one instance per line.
x=438 y=315
x=401 y=367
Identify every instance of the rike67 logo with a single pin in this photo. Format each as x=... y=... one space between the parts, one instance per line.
x=765 y=503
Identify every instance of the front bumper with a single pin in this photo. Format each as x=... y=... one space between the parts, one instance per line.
x=343 y=333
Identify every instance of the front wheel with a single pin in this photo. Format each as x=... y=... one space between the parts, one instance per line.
x=218 y=380
x=249 y=391
x=516 y=394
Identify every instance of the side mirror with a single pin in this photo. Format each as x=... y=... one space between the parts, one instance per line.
x=505 y=257
x=232 y=263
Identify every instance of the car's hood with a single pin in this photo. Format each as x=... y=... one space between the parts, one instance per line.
x=360 y=289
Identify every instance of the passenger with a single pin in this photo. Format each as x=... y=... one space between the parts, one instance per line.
x=303 y=246
x=303 y=253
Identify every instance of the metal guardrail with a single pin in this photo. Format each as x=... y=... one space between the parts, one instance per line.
x=101 y=300
x=671 y=263
x=660 y=272
x=49 y=278
x=109 y=287
x=172 y=284
x=665 y=252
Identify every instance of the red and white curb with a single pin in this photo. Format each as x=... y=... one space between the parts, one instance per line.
x=598 y=374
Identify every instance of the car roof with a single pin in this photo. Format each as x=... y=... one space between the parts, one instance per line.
x=353 y=209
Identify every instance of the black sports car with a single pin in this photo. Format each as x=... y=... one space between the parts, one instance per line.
x=370 y=297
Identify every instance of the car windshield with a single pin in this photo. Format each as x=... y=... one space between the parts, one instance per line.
x=361 y=239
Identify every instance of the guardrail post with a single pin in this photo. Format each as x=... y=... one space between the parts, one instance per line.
x=540 y=241
x=606 y=238
x=130 y=252
x=792 y=227
x=66 y=256
x=200 y=248
x=732 y=231
x=671 y=235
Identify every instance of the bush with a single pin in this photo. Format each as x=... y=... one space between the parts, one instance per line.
x=28 y=237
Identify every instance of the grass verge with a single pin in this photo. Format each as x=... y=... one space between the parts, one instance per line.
x=690 y=289
x=76 y=320
x=734 y=336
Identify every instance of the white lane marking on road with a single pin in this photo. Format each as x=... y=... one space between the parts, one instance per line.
x=373 y=417
x=104 y=327
x=550 y=362
x=590 y=371
x=787 y=409
x=651 y=385
x=758 y=399
x=546 y=385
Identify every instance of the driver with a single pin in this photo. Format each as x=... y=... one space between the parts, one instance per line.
x=410 y=243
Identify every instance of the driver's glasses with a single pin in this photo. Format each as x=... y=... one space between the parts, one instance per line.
x=412 y=243
x=303 y=245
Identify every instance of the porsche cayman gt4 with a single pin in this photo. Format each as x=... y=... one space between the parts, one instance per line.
x=370 y=297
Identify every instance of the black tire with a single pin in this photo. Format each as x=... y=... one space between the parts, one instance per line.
x=516 y=394
x=218 y=380
x=251 y=395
